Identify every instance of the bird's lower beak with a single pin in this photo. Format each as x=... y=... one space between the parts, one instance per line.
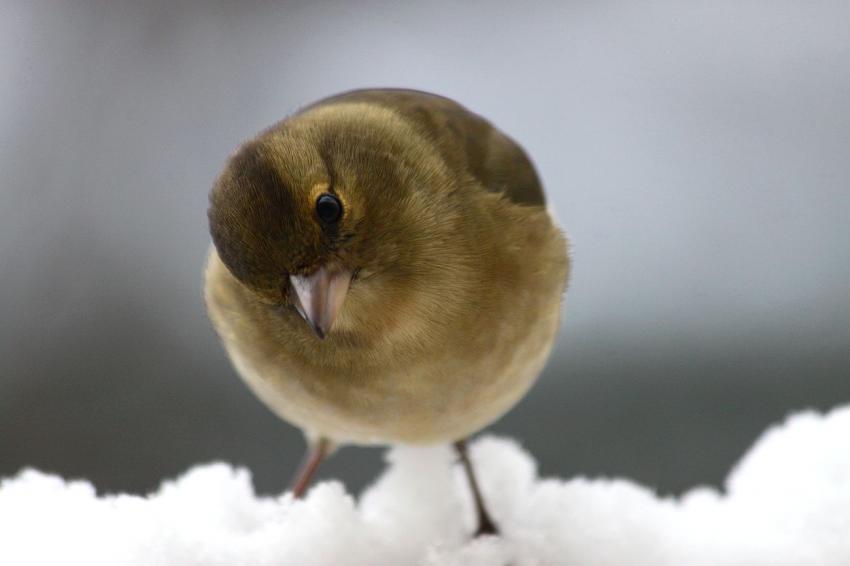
x=319 y=296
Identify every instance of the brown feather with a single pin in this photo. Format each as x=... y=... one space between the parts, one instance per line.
x=460 y=269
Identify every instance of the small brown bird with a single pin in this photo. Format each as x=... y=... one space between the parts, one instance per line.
x=384 y=271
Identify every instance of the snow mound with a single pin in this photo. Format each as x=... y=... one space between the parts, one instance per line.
x=786 y=503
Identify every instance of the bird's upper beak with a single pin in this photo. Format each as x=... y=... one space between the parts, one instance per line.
x=318 y=297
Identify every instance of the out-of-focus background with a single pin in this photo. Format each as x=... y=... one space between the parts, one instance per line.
x=698 y=153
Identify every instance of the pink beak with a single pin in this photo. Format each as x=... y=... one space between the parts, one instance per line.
x=319 y=296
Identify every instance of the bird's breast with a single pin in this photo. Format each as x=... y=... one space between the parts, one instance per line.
x=420 y=372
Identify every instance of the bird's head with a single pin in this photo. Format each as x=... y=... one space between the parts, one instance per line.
x=328 y=199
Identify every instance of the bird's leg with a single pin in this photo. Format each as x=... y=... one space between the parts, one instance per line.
x=316 y=452
x=486 y=526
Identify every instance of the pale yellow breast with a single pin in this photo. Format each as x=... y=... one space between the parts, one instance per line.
x=444 y=388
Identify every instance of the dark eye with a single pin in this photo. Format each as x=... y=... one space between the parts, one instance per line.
x=328 y=208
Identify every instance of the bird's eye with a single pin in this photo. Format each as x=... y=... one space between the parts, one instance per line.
x=328 y=208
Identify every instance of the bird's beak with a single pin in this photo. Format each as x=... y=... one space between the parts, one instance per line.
x=319 y=296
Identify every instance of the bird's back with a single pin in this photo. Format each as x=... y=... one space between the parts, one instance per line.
x=464 y=140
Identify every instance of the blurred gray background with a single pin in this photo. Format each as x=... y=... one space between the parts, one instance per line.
x=697 y=152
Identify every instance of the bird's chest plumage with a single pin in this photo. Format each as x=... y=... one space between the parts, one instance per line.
x=415 y=384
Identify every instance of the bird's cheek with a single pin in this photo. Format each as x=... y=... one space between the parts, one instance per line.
x=270 y=297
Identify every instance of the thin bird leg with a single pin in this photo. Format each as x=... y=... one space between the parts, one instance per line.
x=486 y=526
x=314 y=456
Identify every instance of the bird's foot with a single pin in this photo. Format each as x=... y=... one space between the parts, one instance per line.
x=486 y=527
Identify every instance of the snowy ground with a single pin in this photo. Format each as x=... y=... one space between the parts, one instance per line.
x=787 y=502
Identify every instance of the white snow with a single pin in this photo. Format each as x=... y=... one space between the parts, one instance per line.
x=787 y=502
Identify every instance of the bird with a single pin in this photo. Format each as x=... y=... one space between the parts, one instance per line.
x=384 y=270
